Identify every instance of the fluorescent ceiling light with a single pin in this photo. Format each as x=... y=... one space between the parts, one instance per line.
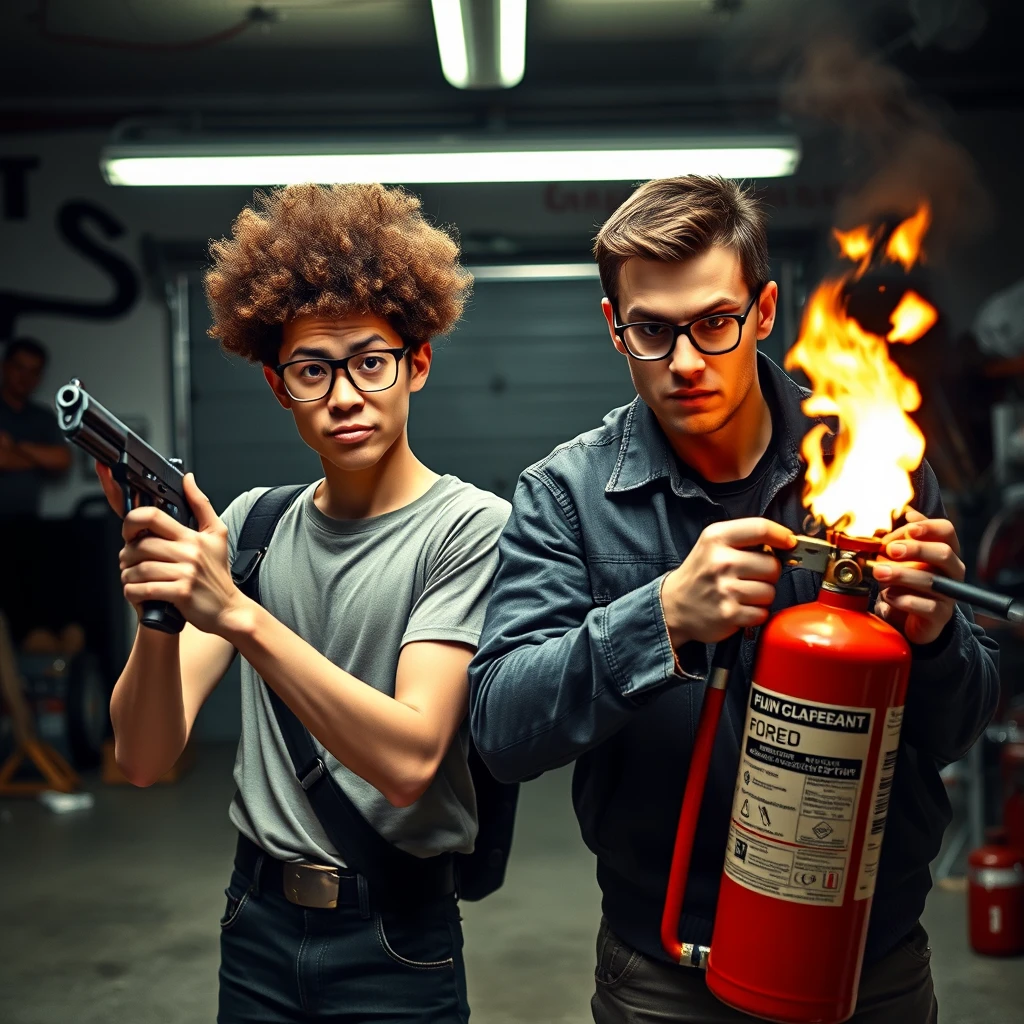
x=426 y=163
x=451 y=41
x=511 y=41
x=482 y=43
x=534 y=271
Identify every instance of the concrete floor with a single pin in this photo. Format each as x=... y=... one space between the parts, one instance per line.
x=111 y=914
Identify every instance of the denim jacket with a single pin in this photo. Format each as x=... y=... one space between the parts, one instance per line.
x=575 y=664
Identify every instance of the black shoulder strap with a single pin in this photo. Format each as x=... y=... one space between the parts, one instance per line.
x=388 y=869
x=257 y=530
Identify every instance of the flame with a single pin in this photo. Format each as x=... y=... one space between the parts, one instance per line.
x=867 y=482
x=857 y=245
x=905 y=242
x=911 y=319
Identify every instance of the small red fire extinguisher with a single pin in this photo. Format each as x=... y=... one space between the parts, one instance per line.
x=995 y=900
x=817 y=758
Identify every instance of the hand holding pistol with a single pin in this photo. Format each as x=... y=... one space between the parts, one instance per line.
x=144 y=476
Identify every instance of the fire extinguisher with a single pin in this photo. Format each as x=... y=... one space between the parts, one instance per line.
x=812 y=791
x=995 y=900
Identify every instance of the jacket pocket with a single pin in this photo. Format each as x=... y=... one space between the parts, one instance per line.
x=614 y=575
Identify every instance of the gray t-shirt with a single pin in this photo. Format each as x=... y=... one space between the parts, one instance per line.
x=357 y=591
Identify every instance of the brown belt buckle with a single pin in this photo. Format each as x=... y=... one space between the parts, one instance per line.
x=311 y=885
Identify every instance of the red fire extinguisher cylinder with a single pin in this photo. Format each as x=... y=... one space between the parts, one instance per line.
x=817 y=760
x=995 y=900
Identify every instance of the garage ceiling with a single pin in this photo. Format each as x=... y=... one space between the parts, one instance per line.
x=66 y=62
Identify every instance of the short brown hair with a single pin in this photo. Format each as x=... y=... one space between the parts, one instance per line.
x=332 y=251
x=673 y=219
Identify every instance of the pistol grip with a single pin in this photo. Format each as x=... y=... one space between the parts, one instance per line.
x=163 y=616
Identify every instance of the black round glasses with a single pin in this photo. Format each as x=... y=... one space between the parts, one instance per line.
x=309 y=380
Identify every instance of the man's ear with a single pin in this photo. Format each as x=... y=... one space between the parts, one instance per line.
x=277 y=386
x=609 y=315
x=767 y=306
x=419 y=366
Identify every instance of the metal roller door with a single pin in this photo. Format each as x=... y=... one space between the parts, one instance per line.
x=530 y=366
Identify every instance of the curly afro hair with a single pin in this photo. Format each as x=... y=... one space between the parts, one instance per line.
x=332 y=251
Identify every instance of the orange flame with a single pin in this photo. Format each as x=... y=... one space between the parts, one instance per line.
x=905 y=242
x=911 y=319
x=867 y=482
x=857 y=245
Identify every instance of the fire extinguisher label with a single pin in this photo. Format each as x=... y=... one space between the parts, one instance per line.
x=879 y=805
x=800 y=779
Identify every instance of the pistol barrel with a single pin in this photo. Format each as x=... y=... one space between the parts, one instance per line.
x=89 y=424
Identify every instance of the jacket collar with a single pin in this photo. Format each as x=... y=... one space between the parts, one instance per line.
x=645 y=454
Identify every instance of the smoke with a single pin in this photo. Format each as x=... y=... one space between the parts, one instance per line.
x=896 y=148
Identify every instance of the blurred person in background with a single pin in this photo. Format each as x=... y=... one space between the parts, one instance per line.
x=32 y=448
x=32 y=451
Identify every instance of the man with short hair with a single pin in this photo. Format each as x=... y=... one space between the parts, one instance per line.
x=371 y=598
x=32 y=449
x=633 y=548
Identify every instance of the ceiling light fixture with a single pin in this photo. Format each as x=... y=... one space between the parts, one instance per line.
x=417 y=162
x=534 y=271
x=482 y=43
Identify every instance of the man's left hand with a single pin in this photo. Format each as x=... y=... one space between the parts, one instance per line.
x=924 y=544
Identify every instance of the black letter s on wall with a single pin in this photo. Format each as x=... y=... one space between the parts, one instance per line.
x=72 y=219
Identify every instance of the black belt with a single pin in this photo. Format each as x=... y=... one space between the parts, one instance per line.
x=326 y=887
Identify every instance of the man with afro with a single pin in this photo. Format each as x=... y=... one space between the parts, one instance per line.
x=371 y=602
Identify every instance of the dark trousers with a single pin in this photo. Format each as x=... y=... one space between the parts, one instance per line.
x=284 y=963
x=635 y=989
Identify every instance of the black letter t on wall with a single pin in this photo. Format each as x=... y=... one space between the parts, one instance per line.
x=14 y=182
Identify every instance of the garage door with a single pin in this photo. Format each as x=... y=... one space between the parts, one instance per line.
x=530 y=366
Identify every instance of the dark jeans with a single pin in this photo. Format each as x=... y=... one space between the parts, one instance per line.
x=283 y=963
x=634 y=989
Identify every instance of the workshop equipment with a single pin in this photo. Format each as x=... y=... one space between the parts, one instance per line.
x=53 y=770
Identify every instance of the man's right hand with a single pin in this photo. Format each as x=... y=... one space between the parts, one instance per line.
x=724 y=585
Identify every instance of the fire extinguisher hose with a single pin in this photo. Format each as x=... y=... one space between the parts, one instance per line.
x=711 y=710
x=999 y=605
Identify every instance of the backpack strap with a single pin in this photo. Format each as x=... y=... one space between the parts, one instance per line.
x=394 y=875
x=257 y=530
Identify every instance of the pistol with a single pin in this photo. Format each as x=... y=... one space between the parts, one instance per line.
x=145 y=476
